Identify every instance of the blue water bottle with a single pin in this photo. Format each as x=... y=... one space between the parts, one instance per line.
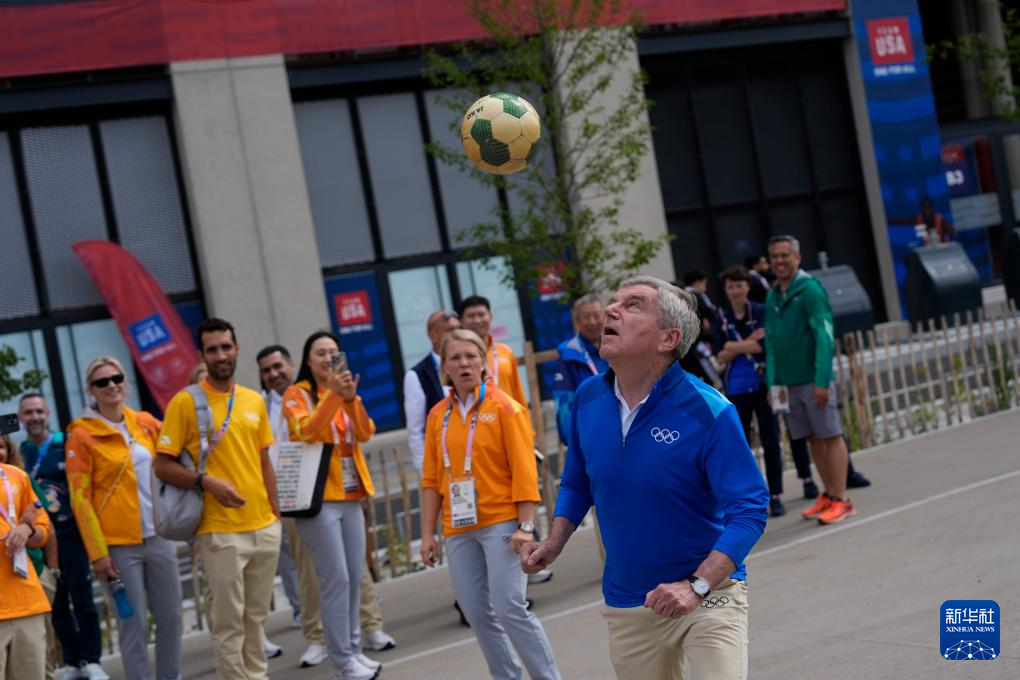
x=120 y=596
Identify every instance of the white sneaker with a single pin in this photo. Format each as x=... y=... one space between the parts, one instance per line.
x=354 y=670
x=313 y=656
x=93 y=671
x=66 y=673
x=368 y=663
x=271 y=650
x=377 y=641
x=540 y=577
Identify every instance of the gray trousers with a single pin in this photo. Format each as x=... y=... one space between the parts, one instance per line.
x=335 y=538
x=149 y=572
x=490 y=587
x=287 y=572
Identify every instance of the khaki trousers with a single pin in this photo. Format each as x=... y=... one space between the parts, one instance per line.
x=23 y=648
x=710 y=643
x=240 y=569
x=308 y=585
x=371 y=612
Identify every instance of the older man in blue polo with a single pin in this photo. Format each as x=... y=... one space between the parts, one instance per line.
x=663 y=458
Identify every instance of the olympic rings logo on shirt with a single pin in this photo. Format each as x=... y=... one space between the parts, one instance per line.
x=664 y=436
x=486 y=417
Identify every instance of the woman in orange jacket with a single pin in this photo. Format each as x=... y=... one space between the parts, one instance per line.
x=479 y=468
x=323 y=406
x=110 y=449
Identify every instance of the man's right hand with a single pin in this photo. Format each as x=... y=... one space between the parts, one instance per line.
x=105 y=569
x=537 y=556
x=223 y=491
x=429 y=550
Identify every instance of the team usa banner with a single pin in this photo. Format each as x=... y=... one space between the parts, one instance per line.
x=55 y=37
x=160 y=342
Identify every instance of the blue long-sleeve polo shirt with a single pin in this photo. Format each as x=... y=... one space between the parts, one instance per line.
x=682 y=483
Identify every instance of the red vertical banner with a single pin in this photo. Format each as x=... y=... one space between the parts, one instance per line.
x=160 y=343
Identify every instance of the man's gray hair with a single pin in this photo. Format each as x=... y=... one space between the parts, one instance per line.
x=677 y=309
x=586 y=299
x=785 y=238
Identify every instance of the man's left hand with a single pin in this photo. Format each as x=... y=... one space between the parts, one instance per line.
x=519 y=538
x=672 y=600
x=821 y=396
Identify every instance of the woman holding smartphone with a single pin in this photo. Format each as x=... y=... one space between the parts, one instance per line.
x=479 y=468
x=323 y=406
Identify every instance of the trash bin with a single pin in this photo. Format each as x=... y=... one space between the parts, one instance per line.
x=941 y=280
x=851 y=306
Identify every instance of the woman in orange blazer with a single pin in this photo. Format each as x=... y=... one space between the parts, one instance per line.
x=323 y=406
x=109 y=461
x=479 y=468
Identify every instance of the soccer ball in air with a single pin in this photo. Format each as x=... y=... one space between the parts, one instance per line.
x=499 y=131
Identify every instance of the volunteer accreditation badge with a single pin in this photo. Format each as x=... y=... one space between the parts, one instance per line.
x=350 y=475
x=780 y=399
x=463 y=510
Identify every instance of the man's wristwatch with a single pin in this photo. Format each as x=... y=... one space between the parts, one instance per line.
x=700 y=586
x=198 y=480
x=527 y=527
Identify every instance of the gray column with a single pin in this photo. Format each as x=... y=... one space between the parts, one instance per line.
x=872 y=183
x=249 y=202
x=642 y=207
x=973 y=93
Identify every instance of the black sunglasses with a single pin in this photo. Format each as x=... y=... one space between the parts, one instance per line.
x=103 y=382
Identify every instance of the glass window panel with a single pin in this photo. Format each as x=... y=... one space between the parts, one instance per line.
x=335 y=190
x=466 y=201
x=67 y=207
x=693 y=244
x=19 y=295
x=415 y=294
x=831 y=138
x=721 y=114
x=779 y=134
x=738 y=235
x=31 y=349
x=507 y=323
x=400 y=180
x=676 y=147
x=146 y=199
x=850 y=241
x=79 y=344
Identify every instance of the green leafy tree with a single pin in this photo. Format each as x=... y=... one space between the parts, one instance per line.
x=997 y=61
x=565 y=58
x=11 y=386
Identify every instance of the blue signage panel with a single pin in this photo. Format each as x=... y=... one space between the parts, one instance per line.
x=356 y=316
x=908 y=144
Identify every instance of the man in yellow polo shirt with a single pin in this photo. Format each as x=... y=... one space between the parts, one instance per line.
x=239 y=535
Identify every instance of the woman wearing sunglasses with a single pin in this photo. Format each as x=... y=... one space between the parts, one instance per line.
x=109 y=460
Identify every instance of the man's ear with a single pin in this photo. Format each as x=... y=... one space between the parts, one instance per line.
x=670 y=340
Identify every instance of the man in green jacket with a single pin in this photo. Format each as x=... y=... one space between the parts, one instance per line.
x=798 y=369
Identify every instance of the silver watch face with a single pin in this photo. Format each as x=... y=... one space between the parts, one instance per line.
x=527 y=527
x=701 y=586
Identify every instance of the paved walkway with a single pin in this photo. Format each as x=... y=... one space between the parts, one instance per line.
x=858 y=600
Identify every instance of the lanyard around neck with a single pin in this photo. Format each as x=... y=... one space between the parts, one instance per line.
x=218 y=437
x=471 y=431
x=494 y=362
x=44 y=448
x=348 y=430
x=10 y=514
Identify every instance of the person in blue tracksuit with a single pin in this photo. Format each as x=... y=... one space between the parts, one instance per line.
x=579 y=358
x=663 y=458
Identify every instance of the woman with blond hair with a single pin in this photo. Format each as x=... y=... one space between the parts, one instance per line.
x=110 y=450
x=479 y=468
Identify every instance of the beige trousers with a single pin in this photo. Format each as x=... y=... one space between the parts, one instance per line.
x=23 y=648
x=710 y=643
x=240 y=569
x=308 y=585
x=371 y=612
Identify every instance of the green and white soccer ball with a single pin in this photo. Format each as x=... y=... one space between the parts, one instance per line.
x=499 y=132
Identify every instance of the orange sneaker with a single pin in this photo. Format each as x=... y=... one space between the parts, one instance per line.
x=837 y=512
x=820 y=506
